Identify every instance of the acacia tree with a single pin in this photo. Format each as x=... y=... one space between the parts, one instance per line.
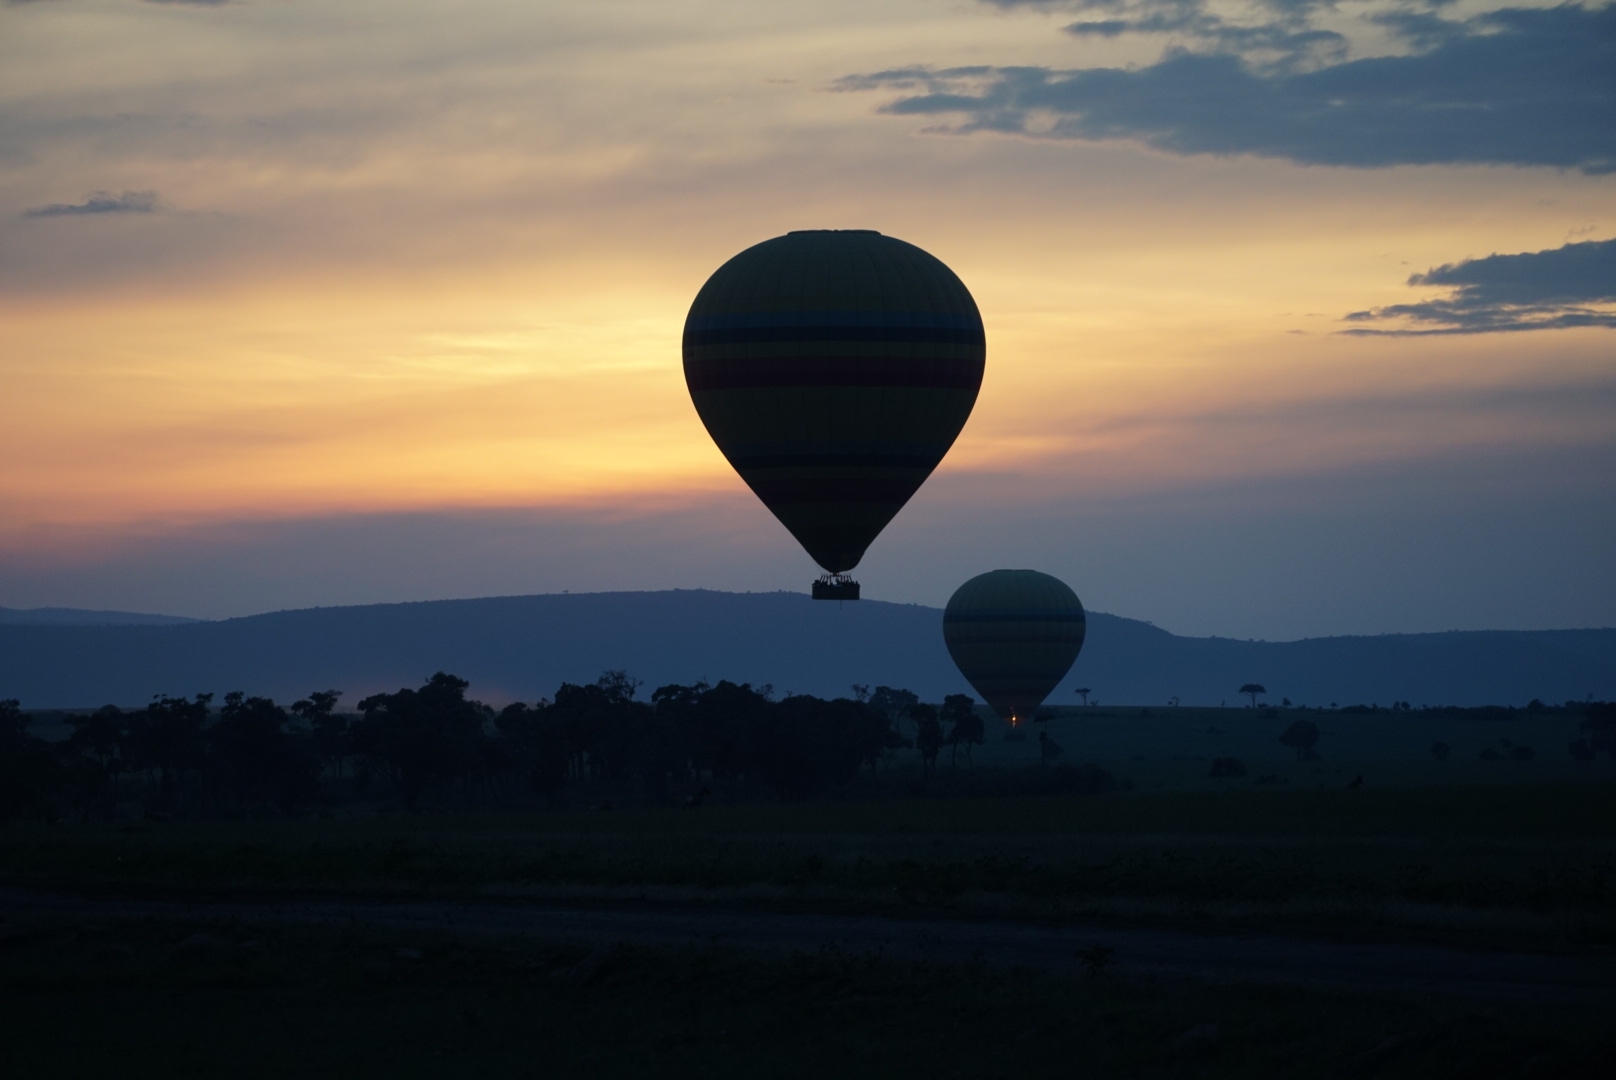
x=1253 y=689
x=29 y=771
x=254 y=761
x=959 y=712
x=893 y=704
x=1301 y=736
x=96 y=755
x=424 y=736
x=1085 y=691
x=928 y=735
x=329 y=731
x=170 y=737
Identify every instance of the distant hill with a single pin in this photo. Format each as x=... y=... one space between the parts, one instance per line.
x=523 y=647
x=62 y=616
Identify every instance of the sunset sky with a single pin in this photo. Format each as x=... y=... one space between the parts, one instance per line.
x=1299 y=315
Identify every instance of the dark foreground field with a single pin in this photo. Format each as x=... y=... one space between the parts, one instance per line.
x=1425 y=931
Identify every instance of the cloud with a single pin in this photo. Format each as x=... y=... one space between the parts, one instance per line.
x=99 y=202
x=1529 y=87
x=1564 y=287
x=1281 y=29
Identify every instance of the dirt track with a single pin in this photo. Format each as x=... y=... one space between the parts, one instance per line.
x=1413 y=969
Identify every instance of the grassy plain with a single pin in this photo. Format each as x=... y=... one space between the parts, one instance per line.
x=1488 y=866
x=149 y=998
x=1527 y=866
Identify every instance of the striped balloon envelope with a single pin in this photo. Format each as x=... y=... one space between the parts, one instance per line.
x=834 y=369
x=1014 y=634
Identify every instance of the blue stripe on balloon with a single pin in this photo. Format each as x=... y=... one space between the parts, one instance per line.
x=765 y=319
x=772 y=335
x=980 y=615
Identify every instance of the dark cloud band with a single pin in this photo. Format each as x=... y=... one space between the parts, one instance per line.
x=1565 y=287
x=99 y=202
x=1530 y=87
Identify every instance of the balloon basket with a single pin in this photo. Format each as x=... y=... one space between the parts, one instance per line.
x=836 y=587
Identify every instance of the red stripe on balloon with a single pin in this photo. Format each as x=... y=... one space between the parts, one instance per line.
x=755 y=373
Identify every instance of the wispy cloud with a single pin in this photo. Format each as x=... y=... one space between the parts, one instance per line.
x=99 y=202
x=1279 y=32
x=1530 y=87
x=1563 y=287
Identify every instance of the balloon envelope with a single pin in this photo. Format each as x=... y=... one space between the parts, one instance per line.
x=834 y=369
x=1014 y=635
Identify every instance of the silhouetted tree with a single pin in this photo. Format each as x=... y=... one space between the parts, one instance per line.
x=1599 y=727
x=424 y=738
x=327 y=730
x=1302 y=736
x=1253 y=689
x=965 y=727
x=724 y=728
x=928 y=735
x=1085 y=691
x=894 y=705
x=538 y=747
x=95 y=756
x=254 y=762
x=30 y=773
x=169 y=737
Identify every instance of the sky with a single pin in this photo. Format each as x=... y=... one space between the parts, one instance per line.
x=1299 y=314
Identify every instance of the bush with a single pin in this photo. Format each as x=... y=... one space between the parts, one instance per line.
x=1227 y=766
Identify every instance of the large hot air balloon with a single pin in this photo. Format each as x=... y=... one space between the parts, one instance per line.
x=1014 y=634
x=834 y=369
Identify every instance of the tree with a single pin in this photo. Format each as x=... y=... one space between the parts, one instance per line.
x=96 y=755
x=170 y=738
x=423 y=737
x=965 y=726
x=30 y=774
x=928 y=734
x=329 y=731
x=1085 y=691
x=254 y=761
x=1253 y=689
x=538 y=747
x=893 y=704
x=1599 y=727
x=1301 y=736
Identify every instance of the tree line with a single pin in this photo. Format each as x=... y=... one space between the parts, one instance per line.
x=432 y=746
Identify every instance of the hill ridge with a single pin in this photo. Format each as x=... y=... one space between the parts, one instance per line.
x=523 y=647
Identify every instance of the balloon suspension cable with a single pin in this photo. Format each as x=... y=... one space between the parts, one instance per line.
x=836 y=587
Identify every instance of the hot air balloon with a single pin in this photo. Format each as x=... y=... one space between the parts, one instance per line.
x=834 y=369
x=1014 y=634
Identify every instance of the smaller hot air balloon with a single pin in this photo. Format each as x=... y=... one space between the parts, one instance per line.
x=1014 y=635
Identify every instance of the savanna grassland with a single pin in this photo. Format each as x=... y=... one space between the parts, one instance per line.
x=148 y=998
x=148 y=991
x=1518 y=865
x=1123 y=903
